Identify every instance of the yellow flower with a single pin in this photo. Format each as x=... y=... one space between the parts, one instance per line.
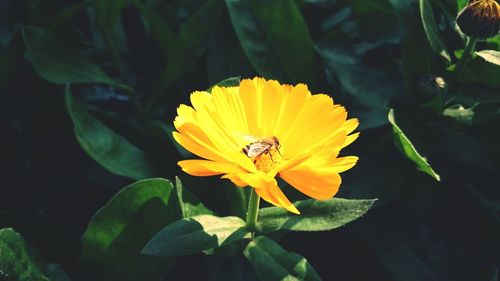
x=258 y=130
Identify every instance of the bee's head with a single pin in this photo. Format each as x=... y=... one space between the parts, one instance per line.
x=276 y=142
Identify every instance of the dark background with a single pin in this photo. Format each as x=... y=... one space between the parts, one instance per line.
x=368 y=55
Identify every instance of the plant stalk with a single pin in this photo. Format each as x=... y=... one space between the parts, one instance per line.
x=253 y=210
x=466 y=56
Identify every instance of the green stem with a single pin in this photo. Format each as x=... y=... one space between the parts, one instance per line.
x=253 y=210
x=466 y=56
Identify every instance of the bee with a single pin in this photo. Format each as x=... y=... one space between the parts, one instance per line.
x=260 y=147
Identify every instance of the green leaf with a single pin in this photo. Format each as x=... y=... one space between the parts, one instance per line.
x=490 y=56
x=431 y=29
x=461 y=4
x=59 y=63
x=229 y=82
x=189 y=44
x=416 y=58
x=460 y=113
x=16 y=261
x=408 y=149
x=371 y=88
x=263 y=29
x=254 y=41
x=482 y=70
x=117 y=233
x=159 y=28
x=224 y=46
x=315 y=215
x=193 y=235
x=271 y=262
x=110 y=150
x=190 y=205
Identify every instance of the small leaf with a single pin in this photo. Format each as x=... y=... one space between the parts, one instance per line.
x=271 y=262
x=409 y=150
x=106 y=147
x=490 y=56
x=431 y=29
x=460 y=113
x=59 y=63
x=117 y=233
x=315 y=215
x=189 y=204
x=16 y=261
x=193 y=235
x=229 y=82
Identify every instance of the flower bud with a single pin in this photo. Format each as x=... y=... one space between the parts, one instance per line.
x=480 y=19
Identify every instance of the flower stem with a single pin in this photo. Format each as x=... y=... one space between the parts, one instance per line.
x=253 y=210
x=466 y=56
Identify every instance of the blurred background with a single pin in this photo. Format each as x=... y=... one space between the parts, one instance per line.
x=89 y=91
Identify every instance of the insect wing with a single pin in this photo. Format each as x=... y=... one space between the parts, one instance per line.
x=257 y=148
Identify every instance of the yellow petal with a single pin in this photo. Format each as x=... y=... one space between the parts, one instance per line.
x=230 y=107
x=273 y=194
x=318 y=119
x=318 y=186
x=208 y=168
x=350 y=139
x=340 y=164
x=235 y=179
x=256 y=179
x=204 y=151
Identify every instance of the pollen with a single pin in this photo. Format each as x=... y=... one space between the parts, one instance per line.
x=267 y=160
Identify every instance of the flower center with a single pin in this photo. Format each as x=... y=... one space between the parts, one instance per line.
x=267 y=160
x=265 y=153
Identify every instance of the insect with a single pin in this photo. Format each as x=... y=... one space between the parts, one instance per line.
x=264 y=146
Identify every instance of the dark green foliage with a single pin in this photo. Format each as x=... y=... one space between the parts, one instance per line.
x=16 y=260
x=271 y=262
x=115 y=236
x=89 y=91
x=315 y=215
x=195 y=234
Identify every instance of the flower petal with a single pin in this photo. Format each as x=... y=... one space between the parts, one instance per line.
x=340 y=165
x=208 y=168
x=273 y=194
x=320 y=186
x=204 y=151
x=235 y=179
